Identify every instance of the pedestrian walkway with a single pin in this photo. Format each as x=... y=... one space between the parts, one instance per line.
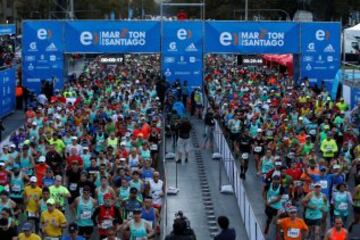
x=199 y=196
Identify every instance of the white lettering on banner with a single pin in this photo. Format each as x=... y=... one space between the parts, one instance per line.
x=253 y=39
x=33 y=80
x=42 y=34
x=225 y=39
x=114 y=38
x=182 y=34
x=320 y=35
x=86 y=38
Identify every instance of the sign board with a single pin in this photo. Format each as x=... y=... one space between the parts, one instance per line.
x=7 y=91
x=249 y=60
x=112 y=37
x=42 y=46
x=251 y=37
x=320 y=47
x=182 y=52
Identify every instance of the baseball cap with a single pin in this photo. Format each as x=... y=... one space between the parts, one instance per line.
x=322 y=168
x=27 y=227
x=12 y=146
x=42 y=159
x=2 y=164
x=137 y=210
x=336 y=166
x=73 y=227
x=108 y=196
x=74 y=138
x=278 y=163
x=50 y=201
x=317 y=184
x=33 y=179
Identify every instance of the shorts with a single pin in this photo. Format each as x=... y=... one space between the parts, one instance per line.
x=18 y=201
x=356 y=210
x=270 y=212
x=183 y=145
x=86 y=231
x=313 y=222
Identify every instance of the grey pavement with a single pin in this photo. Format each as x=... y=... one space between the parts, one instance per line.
x=189 y=198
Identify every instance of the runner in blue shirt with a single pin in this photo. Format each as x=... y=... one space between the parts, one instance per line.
x=73 y=233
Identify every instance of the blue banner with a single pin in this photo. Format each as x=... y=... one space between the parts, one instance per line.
x=182 y=52
x=7 y=91
x=112 y=37
x=251 y=37
x=320 y=46
x=42 y=53
x=7 y=29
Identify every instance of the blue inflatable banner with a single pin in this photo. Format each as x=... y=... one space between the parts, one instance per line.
x=182 y=52
x=42 y=53
x=7 y=91
x=7 y=29
x=112 y=37
x=320 y=47
x=251 y=37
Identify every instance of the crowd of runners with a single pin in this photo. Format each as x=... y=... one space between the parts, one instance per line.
x=303 y=144
x=85 y=162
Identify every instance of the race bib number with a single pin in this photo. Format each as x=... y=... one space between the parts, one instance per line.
x=73 y=186
x=343 y=206
x=16 y=188
x=31 y=214
x=106 y=224
x=298 y=183
x=85 y=215
x=258 y=149
x=154 y=147
x=293 y=232
x=324 y=184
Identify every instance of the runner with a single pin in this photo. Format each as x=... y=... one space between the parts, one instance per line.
x=52 y=221
x=316 y=204
x=337 y=232
x=293 y=227
x=27 y=234
x=83 y=208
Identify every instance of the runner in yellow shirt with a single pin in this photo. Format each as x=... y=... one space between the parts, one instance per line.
x=27 y=233
x=32 y=194
x=52 y=221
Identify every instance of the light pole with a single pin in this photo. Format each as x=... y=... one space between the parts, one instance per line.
x=246 y=9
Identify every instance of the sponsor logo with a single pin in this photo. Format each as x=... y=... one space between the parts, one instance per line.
x=172 y=47
x=183 y=34
x=329 y=48
x=182 y=73
x=51 y=48
x=308 y=67
x=321 y=35
x=320 y=68
x=308 y=58
x=30 y=67
x=52 y=58
x=319 y=59
x=33 y=47
x=182 y=60
x=330 y=58
x=311 y=47
x=191 y=48
x=30 y=58
x=261 y=38
x=167 y=73
x=43 y=34
x=123 y=37
x=196 y=72
x=42 y=67
x=192 y=59
x=169 y=59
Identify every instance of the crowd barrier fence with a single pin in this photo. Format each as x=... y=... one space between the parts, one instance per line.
x=252 y=226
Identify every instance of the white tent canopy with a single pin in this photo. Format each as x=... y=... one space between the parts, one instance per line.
x=352 y=39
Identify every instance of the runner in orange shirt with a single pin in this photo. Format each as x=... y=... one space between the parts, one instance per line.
x=293 y=227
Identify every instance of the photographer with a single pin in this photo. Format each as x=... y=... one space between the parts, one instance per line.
x=181 y=229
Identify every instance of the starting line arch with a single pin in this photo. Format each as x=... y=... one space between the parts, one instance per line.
x=182 y=45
